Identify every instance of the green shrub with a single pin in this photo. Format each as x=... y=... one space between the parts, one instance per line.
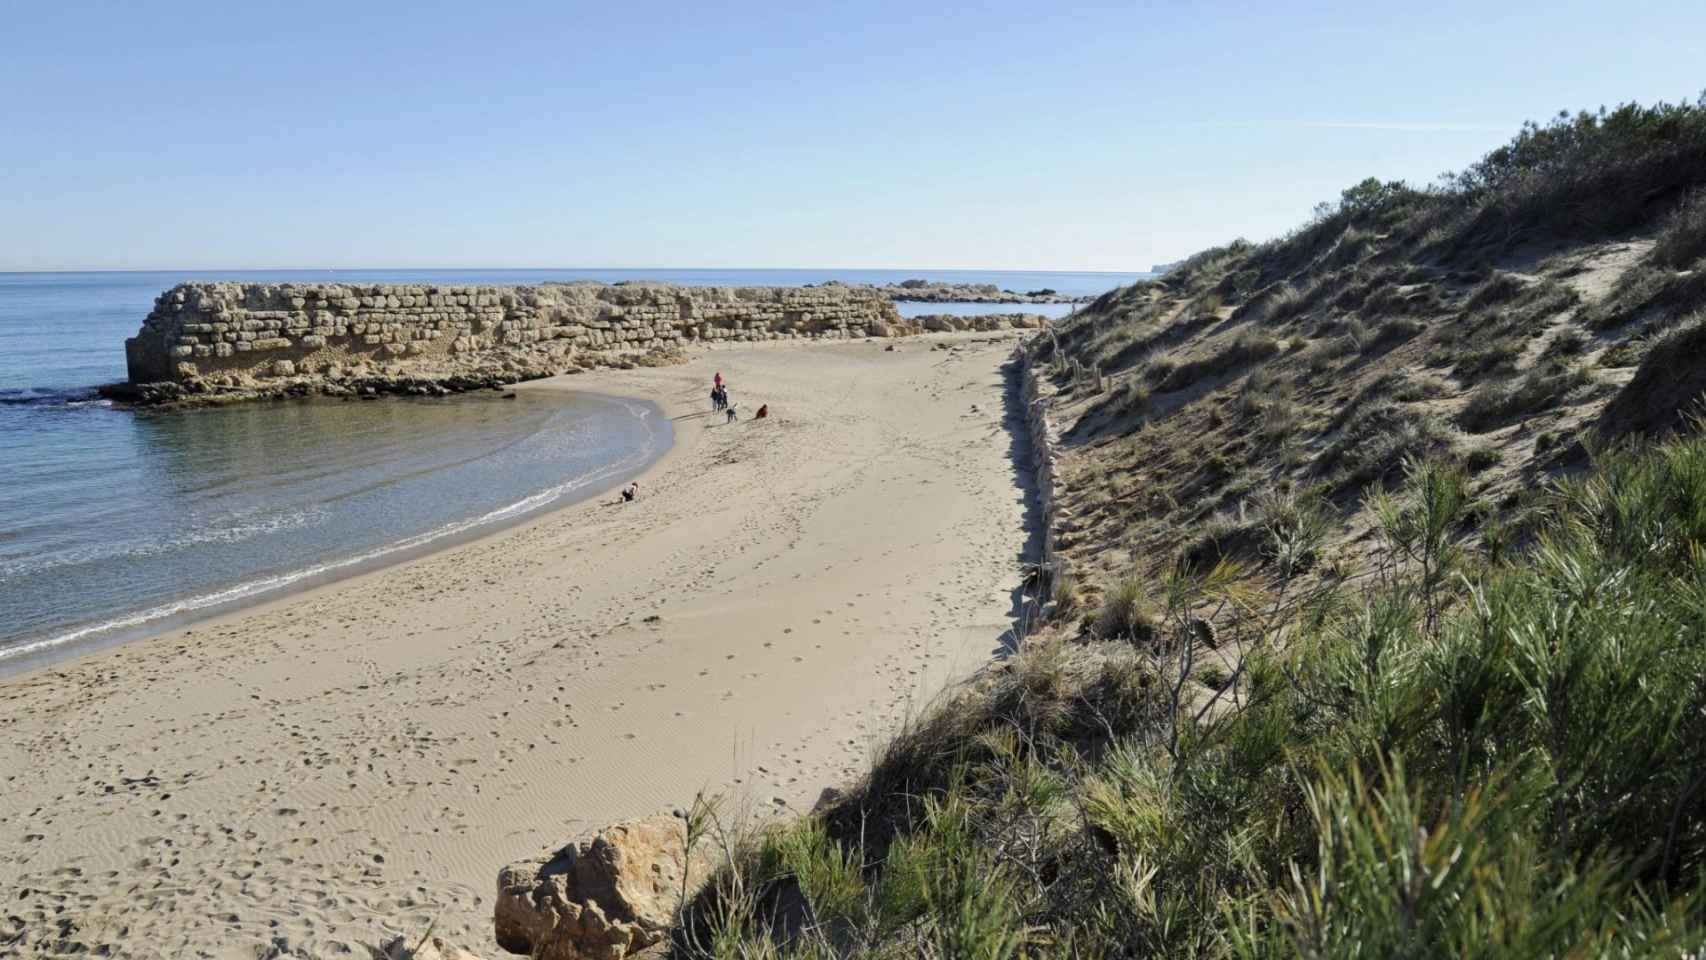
x=1682 y=241
x=1124 y=614
x=1294 y=527
x=1581 y=176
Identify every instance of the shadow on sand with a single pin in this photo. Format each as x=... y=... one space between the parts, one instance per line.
x=1026 y=606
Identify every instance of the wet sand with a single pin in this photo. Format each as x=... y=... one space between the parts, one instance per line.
x=311 y=775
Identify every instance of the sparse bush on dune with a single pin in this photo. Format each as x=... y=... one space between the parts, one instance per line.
x=1635 y=291
x=1488 y=358
x=1501 y=288
x=1375 y=440
x=1669 y=386
x=1496 y=404
x=1393 y=332
x=1682 y=241
x=1068 y=596
x=1628 y=353
x=1124 y=614
x=1371 y=291
x=1352 y=247
x=1202 y=270
x=1248 y=348
x=1294 y=526
x=1481 y=459
x=1657 y=296
x=1412 y=389
x=1221 y=537
x=1568 y=343
x=1135 y=397
x=1159 y=370
x=1281 y=304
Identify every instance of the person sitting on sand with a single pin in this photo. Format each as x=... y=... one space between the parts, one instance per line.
x=630 y=491
x=763 y=411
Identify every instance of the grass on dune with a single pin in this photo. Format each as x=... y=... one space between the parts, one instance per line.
x=1477 y=729
x=1452 y=756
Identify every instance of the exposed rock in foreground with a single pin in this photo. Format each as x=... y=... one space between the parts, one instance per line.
x=602 y=898
x=215 y=342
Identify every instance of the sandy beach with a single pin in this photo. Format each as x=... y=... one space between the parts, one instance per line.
x=309 y=776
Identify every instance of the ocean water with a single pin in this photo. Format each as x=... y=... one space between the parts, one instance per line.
x=116 y=523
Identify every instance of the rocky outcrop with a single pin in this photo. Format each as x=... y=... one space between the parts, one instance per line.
x=602 y=898
x=240 y=340
x=928 y=291
x=947 y=322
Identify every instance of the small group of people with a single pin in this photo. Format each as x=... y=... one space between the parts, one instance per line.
x=720 y=394
x=720 y=401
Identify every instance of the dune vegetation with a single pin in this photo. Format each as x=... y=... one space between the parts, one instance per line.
x=1381 y=626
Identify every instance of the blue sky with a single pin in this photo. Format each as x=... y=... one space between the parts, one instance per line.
x=144 y=135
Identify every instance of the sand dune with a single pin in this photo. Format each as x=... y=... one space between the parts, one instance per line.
x=311 y=775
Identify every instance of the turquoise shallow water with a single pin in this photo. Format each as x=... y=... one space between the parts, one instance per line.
x=114 y=523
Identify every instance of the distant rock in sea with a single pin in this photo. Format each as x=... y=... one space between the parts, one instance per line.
x=931 y=291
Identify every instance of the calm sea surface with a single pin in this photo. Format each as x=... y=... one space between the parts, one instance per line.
x=114 y=523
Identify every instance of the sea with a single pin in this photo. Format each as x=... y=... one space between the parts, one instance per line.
x=117 y=523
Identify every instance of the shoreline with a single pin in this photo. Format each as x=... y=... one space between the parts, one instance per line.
x=358 y=760
x=46 y=652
